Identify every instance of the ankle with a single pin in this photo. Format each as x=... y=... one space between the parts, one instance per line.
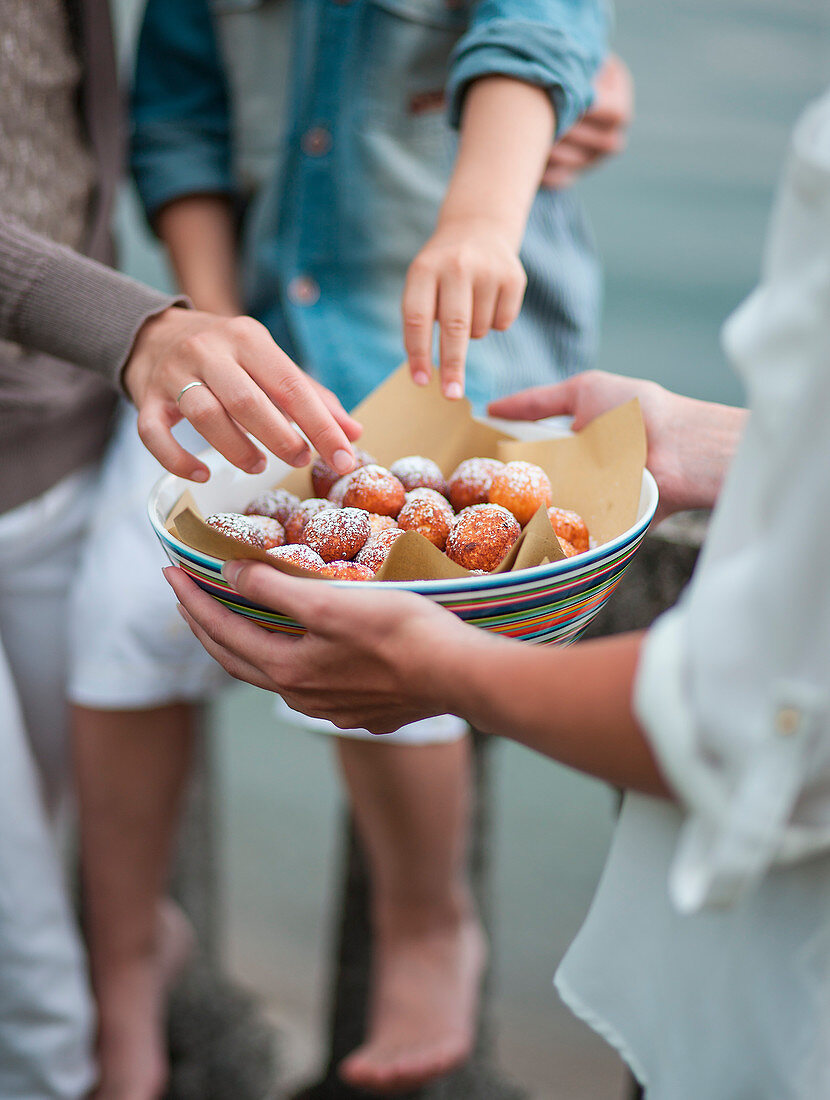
x=408 y=914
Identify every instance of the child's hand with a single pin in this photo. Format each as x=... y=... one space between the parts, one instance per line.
x=468 y=277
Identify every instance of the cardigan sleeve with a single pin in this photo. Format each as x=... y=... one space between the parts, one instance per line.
x=56 y=301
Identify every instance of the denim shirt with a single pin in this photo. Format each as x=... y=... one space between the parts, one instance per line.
x=333 y=122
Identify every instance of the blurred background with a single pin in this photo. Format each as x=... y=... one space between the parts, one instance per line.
x=680 y=221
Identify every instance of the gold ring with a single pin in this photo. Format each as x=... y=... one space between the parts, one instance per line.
x=189 y=386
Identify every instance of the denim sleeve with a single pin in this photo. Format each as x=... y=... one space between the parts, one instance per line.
x=555 y=44
x=179 y=111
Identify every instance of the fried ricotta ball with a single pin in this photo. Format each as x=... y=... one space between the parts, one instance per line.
x=295 y=524
x=271 y=530
x=337 y=491
x=569 y=526
x=337 y=534
x=347 y=571
x=376 y=550
x=298 y=555
x=429 y=513
x=522 y=488
x=376 y=490
x=417 y=472
x=470 y=482
x=323 y=476
x=238 y=527
x=276 y=503
x=380 y=523
x=481 y=536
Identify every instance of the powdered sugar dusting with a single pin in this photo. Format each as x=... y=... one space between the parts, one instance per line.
x=429 y=498
x=271 y=530
x=376 y=550
x=523 y=487
x=237 y=526
x=471 y=481
x=338 y=490
x=429 y=513
x=298 y=554
x=337 y=533
x=415 y=471
x=276 y=503
x=523 y=477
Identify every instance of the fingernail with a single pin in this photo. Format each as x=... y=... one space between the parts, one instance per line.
x=420 y=378
x=343 y=461
x=231 y=571
x=199 y=475
x=453 y=390
x=258 y=467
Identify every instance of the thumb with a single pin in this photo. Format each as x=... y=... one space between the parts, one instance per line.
x=304 y=600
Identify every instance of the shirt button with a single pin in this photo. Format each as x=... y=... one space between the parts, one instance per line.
x=316 y=142
x=787 y=721
x=303 y=290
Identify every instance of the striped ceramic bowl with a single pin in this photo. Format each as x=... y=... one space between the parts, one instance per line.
x=548 y=603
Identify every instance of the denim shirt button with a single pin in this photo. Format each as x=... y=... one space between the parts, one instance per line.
x=316 y=142
x=303 y=290
x=787 y=721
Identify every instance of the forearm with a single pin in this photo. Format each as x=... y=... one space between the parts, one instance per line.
x=506 y=131
x=56 y=301
x=200 y=235
x=706 y=436
x=573 y=705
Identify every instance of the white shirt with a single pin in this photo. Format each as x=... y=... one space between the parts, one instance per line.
x=706 y=955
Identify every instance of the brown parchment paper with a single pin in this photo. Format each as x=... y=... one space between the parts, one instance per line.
x=596 y=472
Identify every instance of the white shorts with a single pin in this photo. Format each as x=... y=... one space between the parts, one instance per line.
x=129 y=646
x=440 y=730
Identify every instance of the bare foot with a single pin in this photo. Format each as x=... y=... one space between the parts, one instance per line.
x=424 y=1004
x=132 y=1001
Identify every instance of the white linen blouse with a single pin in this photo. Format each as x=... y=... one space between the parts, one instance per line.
x=705 y=957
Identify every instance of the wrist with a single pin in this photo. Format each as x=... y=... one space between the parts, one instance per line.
x=476 y=222
x=451 y=677
x=222 y=303
x=154 y=333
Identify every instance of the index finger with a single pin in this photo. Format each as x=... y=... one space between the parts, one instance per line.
x=537 y=403
x=227 y=629
x=455 y=312
x=353 y=428
x=418 y=312
x=292 y=391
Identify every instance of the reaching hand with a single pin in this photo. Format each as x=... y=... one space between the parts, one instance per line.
x=358 y=662
x=246 y=384
x=600 y=133
x=469 y=278
x=690 y=443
